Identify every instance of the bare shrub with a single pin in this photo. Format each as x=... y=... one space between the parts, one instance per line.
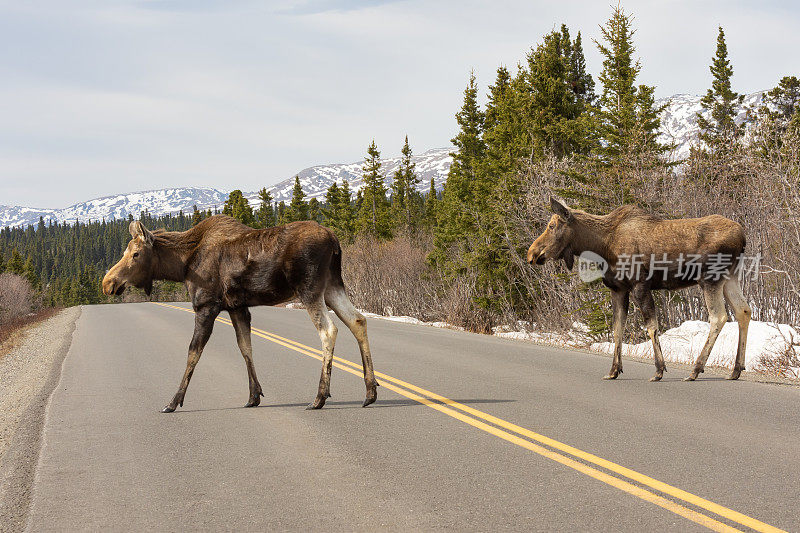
x=391 y=277
x=16 y=297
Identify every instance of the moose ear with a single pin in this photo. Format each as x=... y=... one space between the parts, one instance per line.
x=137 y=229
x=560 y=209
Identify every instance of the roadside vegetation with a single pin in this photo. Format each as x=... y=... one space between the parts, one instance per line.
x=459 y=255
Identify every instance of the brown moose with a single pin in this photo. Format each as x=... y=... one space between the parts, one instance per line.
x=713 y=245
x=227 y=266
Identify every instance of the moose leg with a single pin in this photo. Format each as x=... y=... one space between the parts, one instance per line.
x=619 y=304
x=327 y=333
x=737 y=301
x=337 y=299
x=644 y=299
x=717 y=316
x=203 y=325
x=241 y=324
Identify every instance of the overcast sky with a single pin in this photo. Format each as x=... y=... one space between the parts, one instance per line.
x=103 y=97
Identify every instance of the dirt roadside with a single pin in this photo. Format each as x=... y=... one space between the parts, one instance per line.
x=28 y=374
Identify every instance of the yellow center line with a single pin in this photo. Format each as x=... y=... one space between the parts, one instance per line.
x=452 y=408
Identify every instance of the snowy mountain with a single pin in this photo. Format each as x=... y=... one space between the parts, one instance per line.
x=432 y=164
x=158 y=202
x=678 y=125
x=679 y=120
x=316 y=180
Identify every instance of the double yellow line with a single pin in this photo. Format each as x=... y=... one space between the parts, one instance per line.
x=545 y=446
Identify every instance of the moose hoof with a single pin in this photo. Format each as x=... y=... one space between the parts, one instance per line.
x=611 y=375
x=253 y=402
x=369 y=400
x=735 y=374
x=316 y=404
x=690 y=377
x=657 y=377
x=168 y=409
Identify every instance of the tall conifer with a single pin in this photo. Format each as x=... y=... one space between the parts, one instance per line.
x=374 y=216
x=720 y=102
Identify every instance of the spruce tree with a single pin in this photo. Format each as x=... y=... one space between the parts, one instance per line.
x=346 y=213
x=720 y=129
x=314 y=210
x=2 y=262
x=374 y=217
x=431 y=204
x=338 y=215
x=559 y=94
x=238 y=207
x=580 y=80
x=629 y=120
x=30 y=274
x=453 y=215
x=783 y=102
x=197 y=216
x=298 y=208
x=15 y=264
x=265 y=215
x=404 y=189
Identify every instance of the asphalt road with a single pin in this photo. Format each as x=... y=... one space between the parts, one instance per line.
x=458 y=439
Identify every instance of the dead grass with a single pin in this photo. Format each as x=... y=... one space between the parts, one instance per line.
x=12 y=331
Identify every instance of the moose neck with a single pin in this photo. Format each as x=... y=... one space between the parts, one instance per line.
x=172 y=253
x=592 y=234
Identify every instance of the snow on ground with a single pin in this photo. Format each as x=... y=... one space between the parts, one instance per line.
x=765 y=341
x=410 y=320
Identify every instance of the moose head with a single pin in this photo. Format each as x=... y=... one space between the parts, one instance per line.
x=556 y=241
x=136 y=266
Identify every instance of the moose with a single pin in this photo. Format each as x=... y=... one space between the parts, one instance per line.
x=626 y=239
x=227 y=266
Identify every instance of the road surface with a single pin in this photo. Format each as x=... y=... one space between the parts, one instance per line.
x=470 y=432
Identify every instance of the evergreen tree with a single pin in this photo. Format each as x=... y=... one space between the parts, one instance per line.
x=346 y=218
x=560 y=91
x=720 y=129
x=2 y=262
x=579 y=79
x=629 y=120
x=197 y=216
x=454 y=217
x=15 y=264
x=265 y=215
x=405 y=198
x=339 y=215
x=431 y=203
x=331 y=211
x=238 y=207
x=374 y=217
x=30 y=274
x=298 y=208
x=783 y=102
x=314 y=210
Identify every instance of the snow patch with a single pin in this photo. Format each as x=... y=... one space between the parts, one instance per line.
x=765 y=341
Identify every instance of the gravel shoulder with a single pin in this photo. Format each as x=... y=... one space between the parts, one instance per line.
x=28 y=374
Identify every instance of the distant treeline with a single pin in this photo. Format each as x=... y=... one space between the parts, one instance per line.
x=64 y=262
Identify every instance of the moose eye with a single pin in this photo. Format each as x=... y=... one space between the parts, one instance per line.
x=135 y=255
